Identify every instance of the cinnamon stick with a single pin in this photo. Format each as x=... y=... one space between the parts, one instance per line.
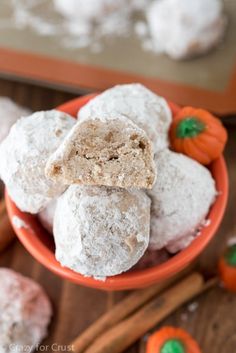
x=119 y=312
x=121 y=336
x=6 y=231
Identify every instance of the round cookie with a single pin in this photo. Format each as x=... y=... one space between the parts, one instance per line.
x=46 y=216
x=101 y=231
x=182 y=243
x=25 y=312
x=10 y=112
x=181 y=198
x=137 y=103
x=185 y=28
x=24 y=154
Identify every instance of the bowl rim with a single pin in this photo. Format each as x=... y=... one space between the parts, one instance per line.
x=136 y=278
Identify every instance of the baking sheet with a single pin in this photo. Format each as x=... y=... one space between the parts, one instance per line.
x=213 y=72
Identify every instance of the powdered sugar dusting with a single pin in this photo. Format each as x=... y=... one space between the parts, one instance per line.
x=25 y=311
x=192 y=307
x=24 y=154
x=19 y=223
x=181 y=198
x=184 y=317
x=99 y=278
x=185 y=28
x=101 y=231
x=206 y=222
x=231 y=241
x=185 y=241
x=46 y=216
x=134 y=101
x=180 y=244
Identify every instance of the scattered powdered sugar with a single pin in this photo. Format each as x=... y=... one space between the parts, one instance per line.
x=137 y=103
x=99 y=278
x=101 y=231
x=184 y=317
x=46 y=216
x=146 y=337
x=192 y=307
x=206 y=222
x=25 y=311
x=231 y=241
x=181 y=199
x=24 y=154
x=19 y=223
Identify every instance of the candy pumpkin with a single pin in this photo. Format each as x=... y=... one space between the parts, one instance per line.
x=172 y=340
x=227 y=268
x=198 y=134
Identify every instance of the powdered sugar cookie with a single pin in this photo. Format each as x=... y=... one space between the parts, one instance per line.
x=10 y=112
x=101 y=231
x=104 y=151
x=186 y=28
x=181 y=198
x=137 y=103
x=24 y=154
x=25 y=312
x=46 y=216
x=181 y=243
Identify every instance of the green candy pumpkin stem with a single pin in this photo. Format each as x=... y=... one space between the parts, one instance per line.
x=230 y=256
x=173 y=346
x=190 y=127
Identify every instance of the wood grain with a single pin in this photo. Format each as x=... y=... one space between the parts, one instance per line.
x=6 y=231
x=121 y=311
x=75 y=307
x=135 y=326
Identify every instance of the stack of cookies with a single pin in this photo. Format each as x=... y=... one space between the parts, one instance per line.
x=108 y=182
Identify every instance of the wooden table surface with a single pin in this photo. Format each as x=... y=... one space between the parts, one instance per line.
x=211 y=319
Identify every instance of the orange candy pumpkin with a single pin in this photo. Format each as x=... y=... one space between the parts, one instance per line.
x=198 y=134
x=227 y=268
x=172 y=340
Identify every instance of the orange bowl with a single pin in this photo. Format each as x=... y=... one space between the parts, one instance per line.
x=41 y=246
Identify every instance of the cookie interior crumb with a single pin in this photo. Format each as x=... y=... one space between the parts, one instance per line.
x=111 y=153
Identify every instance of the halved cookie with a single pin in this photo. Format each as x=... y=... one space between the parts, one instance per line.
x=104 y=151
